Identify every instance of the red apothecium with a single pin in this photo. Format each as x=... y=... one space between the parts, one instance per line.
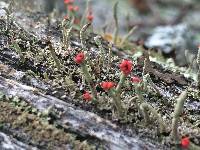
x=126 y=66
x=185 y=142
x=79 y=58
x=87 y=96
x=68 y=1
x=107 y=85
x=135 y=79
x=90 y=16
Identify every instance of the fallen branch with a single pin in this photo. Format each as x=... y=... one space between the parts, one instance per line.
x=79 y=121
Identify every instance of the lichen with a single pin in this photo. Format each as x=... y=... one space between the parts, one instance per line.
x=29 y=127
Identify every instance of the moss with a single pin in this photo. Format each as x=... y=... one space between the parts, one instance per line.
x=35 y=131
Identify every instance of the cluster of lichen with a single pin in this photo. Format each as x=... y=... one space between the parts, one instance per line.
x=23 y=121
x=61 y=77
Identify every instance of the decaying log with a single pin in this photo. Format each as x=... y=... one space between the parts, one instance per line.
x=79 y=121
x=9 y=143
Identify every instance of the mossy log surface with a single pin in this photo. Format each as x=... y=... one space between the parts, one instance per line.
x=36 y=81
x=83 y=123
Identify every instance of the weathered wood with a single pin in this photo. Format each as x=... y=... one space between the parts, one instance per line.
x=79 y=121
x=9 y=143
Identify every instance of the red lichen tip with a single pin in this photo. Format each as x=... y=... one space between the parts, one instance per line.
x=70 y=7
x=185 y=142
x=107 y=85
x=126 y=66
x=135 y=79
x=76 y=8
x=90 y=16
x=73 y=8
x=66 y=17
x=68 y=1
x=87 y=96
x=80 y=57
